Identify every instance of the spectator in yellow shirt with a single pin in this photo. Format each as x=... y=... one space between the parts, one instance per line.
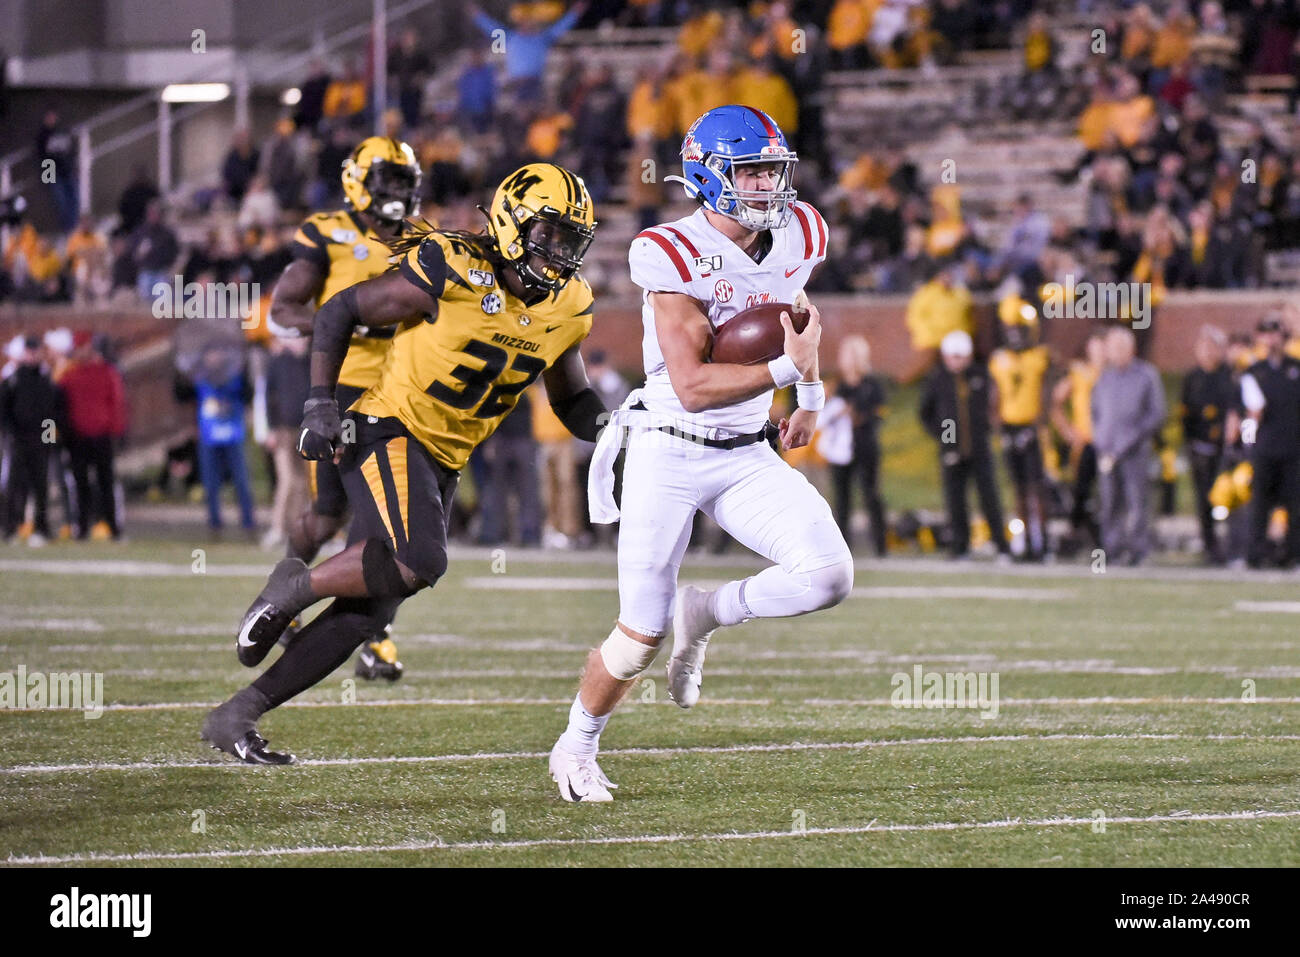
x=546 y=133
x=937 y=308
x=762 y=87
x=846 y=32
x=699 y=34
x=345 y=98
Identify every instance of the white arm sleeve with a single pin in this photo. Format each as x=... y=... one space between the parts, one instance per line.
x=1252 y=396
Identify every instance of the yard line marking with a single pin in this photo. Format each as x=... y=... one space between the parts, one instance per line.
x=132 y=569
x=437 y=844
x=906 y=704
x=560 y=583
x=1286 y=607
x=652 y=752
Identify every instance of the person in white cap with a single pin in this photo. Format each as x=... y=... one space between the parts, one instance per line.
x=956 y=409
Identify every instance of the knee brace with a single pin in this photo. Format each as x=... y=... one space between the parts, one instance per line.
x=384 y=578
x=624 y=656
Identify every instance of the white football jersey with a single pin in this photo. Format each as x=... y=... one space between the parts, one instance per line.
x=690 y=256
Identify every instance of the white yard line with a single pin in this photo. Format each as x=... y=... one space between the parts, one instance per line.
x=653 y=752
x=921 y=592
x=1284 y=607
x=873 y=827
x=906 y=704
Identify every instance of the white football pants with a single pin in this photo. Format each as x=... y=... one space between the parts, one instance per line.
x=755 y=497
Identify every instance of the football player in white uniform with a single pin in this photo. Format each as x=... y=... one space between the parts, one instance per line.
x=696 y=432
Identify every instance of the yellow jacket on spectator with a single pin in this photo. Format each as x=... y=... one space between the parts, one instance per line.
x=1173 y=44
x=82 y=242
x=44 y=263
x=547 y=426
x=696 y=92
x=1127 y=119
x=770 y=93
x=698 y=34
x=344 y=98
x=24 y=244
x=546 y=133
x=650 y=111
x=849 y=23
x=1095 y=124
x=936 y=309
x=867 y=172
x=1038 y=50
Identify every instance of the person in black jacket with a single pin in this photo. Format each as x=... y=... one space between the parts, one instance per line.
x=1208 y=396
x=30 y=407
x=956 y=408
x=1270 y=392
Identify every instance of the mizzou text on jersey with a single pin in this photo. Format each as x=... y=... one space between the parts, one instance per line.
x=451 y=380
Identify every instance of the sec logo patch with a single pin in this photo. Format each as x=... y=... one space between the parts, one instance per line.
x=360 y=251
x=491 y=304
x=722 y=291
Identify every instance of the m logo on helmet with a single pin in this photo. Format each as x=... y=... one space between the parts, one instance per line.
x=519 y=184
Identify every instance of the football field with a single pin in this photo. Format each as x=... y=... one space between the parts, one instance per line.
x=941 y=715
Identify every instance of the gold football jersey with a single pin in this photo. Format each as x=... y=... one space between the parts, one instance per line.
x=1082 y=378
x=452 y=379
x=1019 y=376
x=348 y=253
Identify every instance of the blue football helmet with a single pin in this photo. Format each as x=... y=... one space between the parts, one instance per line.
x=731 y=136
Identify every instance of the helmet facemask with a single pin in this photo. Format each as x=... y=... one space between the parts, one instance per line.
x=551 y=250
x=756 y=209
x=394 y=190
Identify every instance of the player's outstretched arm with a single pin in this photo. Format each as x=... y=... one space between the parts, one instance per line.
x=293 y=295
x=381 y=301
x=572 y=398
x=683 y=331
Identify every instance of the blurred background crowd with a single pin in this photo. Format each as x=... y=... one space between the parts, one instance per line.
x=928 y=136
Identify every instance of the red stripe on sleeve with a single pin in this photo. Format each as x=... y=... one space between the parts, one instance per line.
x=807 y=232
x=672 y=252
x=821 y=229
x=681 y=237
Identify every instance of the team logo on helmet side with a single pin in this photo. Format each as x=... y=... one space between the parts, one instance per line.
x=542 y=220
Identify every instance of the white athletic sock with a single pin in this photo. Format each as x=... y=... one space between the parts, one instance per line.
x=727 y=604
x=582 y=736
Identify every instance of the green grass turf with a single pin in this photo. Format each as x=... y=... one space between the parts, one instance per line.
x=795 y=725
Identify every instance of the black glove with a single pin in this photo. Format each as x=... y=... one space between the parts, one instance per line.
x=321 y=428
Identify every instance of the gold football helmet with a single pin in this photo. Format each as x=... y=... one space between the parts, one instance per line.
x=382 y=178
x=542 y=220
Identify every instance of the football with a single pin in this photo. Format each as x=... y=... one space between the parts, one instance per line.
x=755 y=335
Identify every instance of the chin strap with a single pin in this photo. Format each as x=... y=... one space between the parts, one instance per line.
x=692 y=190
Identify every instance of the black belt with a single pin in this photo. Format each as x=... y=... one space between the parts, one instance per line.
x=735 y=442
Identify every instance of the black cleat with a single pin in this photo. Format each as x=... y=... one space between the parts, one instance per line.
x=287 y=592
x=231 y=727
x=378 y=659
x=251 y=749
x=290 y=634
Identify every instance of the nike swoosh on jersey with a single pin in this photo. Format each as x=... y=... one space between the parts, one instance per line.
x=552 y=328
x=791 y=272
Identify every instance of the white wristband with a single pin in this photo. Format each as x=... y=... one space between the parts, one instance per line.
x=810 y=395
x=783 y=371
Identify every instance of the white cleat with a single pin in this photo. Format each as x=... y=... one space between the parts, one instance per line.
x=693 y=624
x=579 y=778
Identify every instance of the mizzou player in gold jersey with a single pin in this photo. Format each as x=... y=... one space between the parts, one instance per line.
x=495 y=311
x=1020 y=369
x=1075 y=426
x=332 y=251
